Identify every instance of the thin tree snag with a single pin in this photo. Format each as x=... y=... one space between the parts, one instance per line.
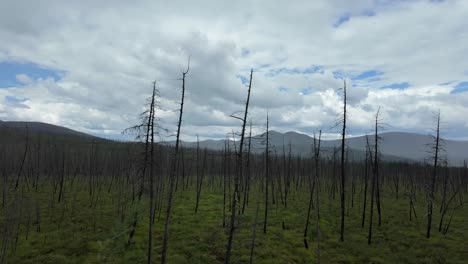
x=343 y=169
x=317 y=186
x=151 y=175
x=225 y=172
x=375 y=175
x=173 y=170
x=147 y=129
x=366 y=176
x=240 y=170
x=200 y=180
x=247 y=178
x=267 y=175
x=371 y=210
x=376 y=166
x=430 y=198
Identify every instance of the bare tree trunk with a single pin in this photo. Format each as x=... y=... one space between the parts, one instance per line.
x=225 y=172
x=172 y=174
x=247 y=181
x=434 y=174
x=146 y=125
x=343 y=169
x=62 y=176
x=197 y=174
x=200 y=181
x=267 y=176
x=376 y=164
x=151 y=175
x=309 y=209
x=240 y=169
x=366 y=176
x=444 y=191
x=317 y=189
x=375 y=172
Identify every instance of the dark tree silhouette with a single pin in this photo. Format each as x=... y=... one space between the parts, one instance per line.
x=430 y=197
x=173 y=171
x=240 y=170
x=343 y=169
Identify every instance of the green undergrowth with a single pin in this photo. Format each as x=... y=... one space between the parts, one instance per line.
x=75 y=232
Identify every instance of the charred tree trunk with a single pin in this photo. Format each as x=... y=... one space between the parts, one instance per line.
x=151 y=176
x=375 y=172
x=317 y=189
x=343 y=169
x=267 y=175
x=240 y=170
x=366 y=176
x=200 y=180
x=173 y=171
x=434 y=174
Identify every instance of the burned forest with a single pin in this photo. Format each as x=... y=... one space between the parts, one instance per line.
x=233 y=132
x=74 y=198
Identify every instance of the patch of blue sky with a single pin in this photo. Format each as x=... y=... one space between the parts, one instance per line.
x=368 y=12
x=284 y=70
x=402 y=85
x=339 y=74
x=367 y=75
x=375 y=79
x=460 y=88
x=245 y=52
x=306 y=90
x=12 y=99
x=15 y=102
x=345 y=17
x=243 y=79
x=9 y=71
x=342 y=19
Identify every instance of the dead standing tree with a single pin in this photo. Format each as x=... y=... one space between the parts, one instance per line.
x=430 y=196
x=366 y=182
x=267 y=174
x=154 y=102
x=200 y=174
x=248 y=172
x=143 y=131
x=375 y=176
x=172 y=173
x=343 y=169
x=240 y=170
x=317 y=189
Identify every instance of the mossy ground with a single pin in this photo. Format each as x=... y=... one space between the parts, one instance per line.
x=74 y=232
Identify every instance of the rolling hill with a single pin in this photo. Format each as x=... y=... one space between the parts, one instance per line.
x=393 y=145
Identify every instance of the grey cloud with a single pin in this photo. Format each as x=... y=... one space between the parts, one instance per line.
x=111 y=51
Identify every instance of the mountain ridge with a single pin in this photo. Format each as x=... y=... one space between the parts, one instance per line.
x=393 y=145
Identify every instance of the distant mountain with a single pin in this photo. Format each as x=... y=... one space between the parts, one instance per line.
x=36 y=128
x=393 y=145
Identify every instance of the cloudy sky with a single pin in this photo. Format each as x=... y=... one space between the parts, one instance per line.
x=89 y=65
